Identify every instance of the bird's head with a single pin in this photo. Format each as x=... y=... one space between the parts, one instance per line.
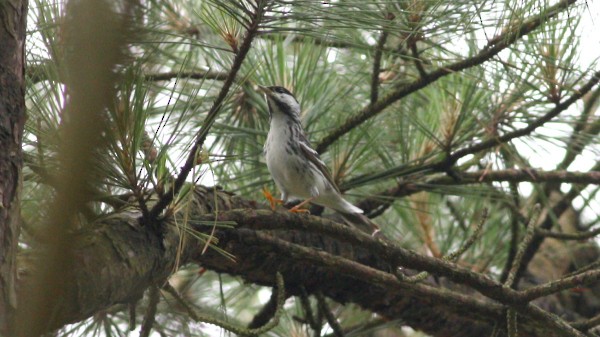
x=281 y=102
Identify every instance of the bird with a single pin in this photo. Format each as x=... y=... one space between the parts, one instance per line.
x=296 y=167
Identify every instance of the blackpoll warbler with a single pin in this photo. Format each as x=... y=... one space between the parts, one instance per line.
x=296 y=168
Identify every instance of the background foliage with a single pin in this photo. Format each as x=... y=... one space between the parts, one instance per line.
x=379 y=102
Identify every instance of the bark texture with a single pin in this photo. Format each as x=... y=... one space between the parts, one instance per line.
x=12 y=119
x=117 y=259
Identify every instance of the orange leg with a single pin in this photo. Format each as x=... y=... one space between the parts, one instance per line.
x=272 y=200
x=297 y=209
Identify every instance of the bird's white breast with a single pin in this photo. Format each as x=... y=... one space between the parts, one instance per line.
x=286 y=163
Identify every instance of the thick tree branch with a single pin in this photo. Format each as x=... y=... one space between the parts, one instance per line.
x=311 y=253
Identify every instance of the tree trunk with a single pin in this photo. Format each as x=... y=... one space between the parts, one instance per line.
x=12 y=119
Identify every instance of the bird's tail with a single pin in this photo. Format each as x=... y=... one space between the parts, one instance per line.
x=361 y=222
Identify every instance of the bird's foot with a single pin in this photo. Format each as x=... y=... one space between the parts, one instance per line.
x=272 y=200
x=298 y=209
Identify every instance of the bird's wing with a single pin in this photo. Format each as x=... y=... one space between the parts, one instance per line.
x=314 y=158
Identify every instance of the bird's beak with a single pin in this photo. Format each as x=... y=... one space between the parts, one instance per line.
x=264 y=90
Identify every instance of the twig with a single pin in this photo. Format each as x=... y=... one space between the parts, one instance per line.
x=153 y=297
x=456 y=215
x=317 y=40
x=586 y=278
x=417 y=60
x=267 y=312
x=514 y=244
x=333 y=323
x=212 y=114
x=377 y=66
x=529 y=234
x=173 y=292
x=557 y=325
x=568 y=236
x=555 y=212
x=361 y=329
x=471 y=240
x=501 y=42
x=195 y=75
x=586 y=324
x=232 y=327
x=452 y=257
x=515 y=219
x=37 y=74
x=308 y=312
x=511 y=323
x=587 y=267
x=131 y=307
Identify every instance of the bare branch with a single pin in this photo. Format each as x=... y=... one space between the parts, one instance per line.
x=333 y=323
x=377 y=66
x=583 y=279
x=207 y=75
x=529 y=233
x=587 y=323
x=568 y=236
x=150 y=314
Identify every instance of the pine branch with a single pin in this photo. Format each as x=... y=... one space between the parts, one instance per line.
x=509 y=36
x=243 y=50
x=380 y=201
x=445 y=164
x=532 y=126
x=576 y=143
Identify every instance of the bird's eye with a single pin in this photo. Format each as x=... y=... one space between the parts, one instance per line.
x=279 y=90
